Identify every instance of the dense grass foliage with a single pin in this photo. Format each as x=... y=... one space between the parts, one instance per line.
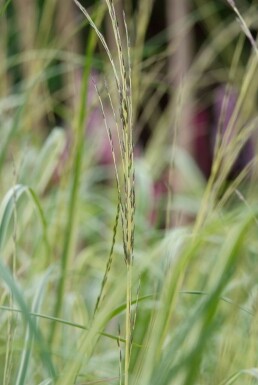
x=120 y=263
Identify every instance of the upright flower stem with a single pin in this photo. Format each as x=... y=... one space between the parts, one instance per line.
x=125 y=182
x=128 y=331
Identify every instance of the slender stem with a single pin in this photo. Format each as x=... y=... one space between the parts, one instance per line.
x=128 y=322
x=68 y=245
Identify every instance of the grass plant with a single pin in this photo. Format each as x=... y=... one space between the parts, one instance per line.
x=96 y=286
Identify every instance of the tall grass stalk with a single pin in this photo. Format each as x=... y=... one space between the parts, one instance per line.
x=125 y=183
x=244 y=26
x=68 y=246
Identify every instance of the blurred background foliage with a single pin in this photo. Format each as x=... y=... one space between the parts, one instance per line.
x=194 y=73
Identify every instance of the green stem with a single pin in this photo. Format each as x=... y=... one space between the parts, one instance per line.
x=72 y=208
x=128 y=331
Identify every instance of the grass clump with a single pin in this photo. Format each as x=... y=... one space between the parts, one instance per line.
x=98 y=285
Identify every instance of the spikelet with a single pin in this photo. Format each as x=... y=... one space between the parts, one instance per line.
x=122 y=76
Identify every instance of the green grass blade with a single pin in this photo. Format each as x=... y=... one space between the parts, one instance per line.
x=7 y=277
x=8 y=206
x=252 y=372
x=29 y=337
x=48 y=159
x=4 y=7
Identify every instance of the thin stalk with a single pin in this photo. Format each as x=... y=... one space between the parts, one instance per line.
x=128 y=331
x=126 y=196
x=72 y=208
